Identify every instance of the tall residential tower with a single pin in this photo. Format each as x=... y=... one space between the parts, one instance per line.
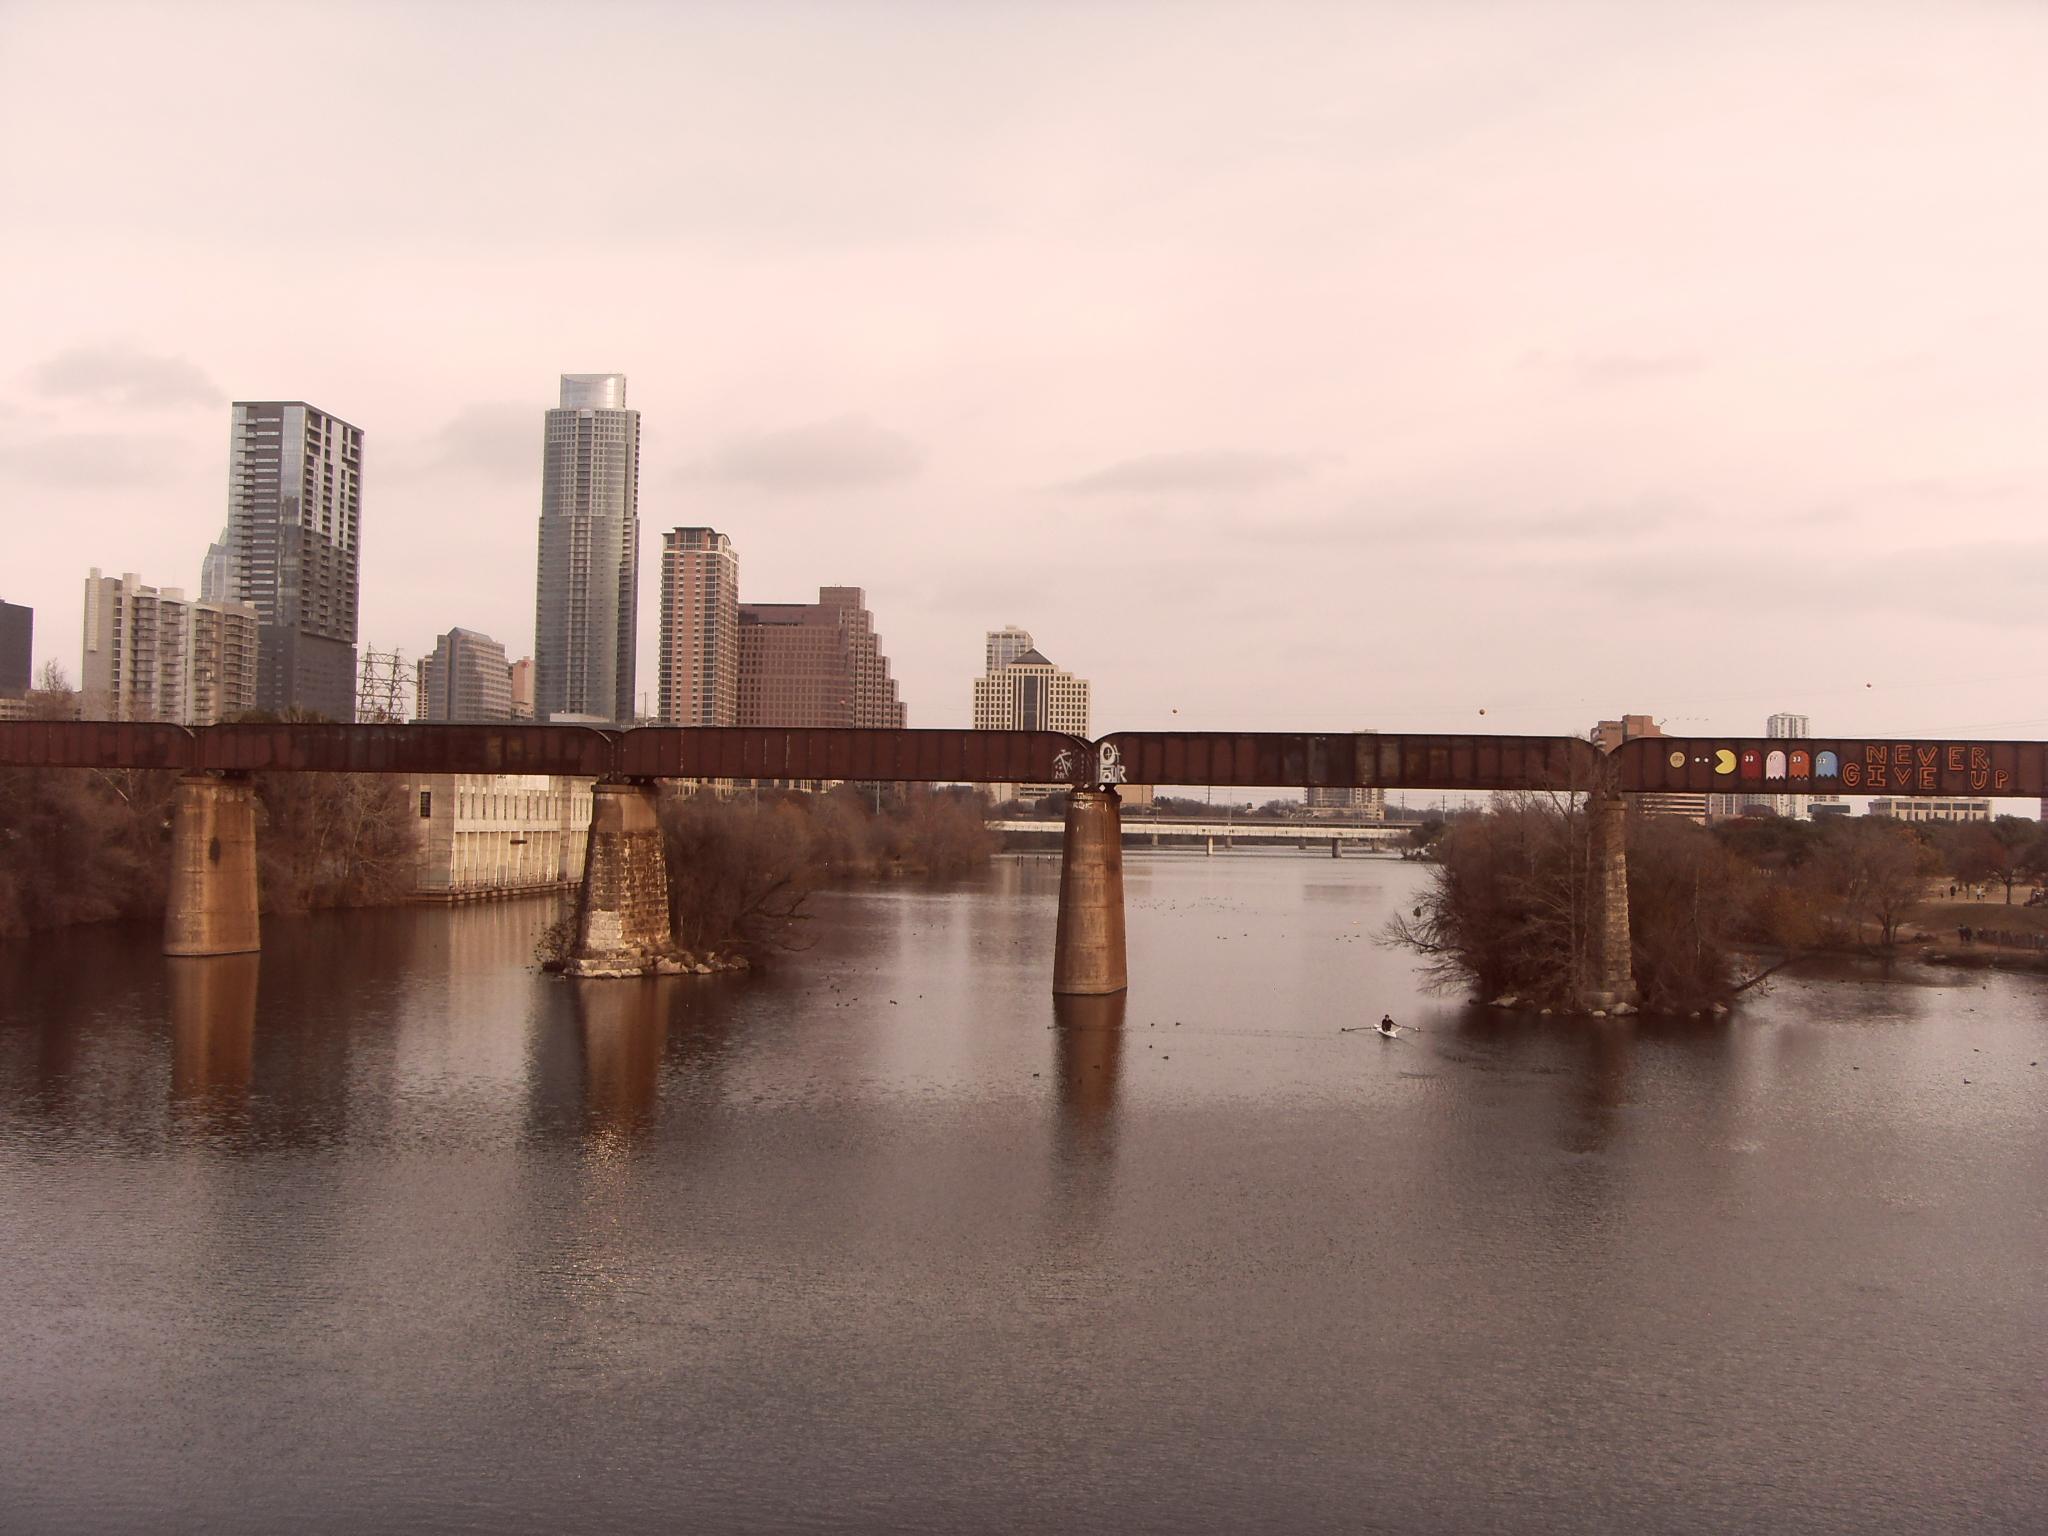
x=293 y=551
x=700 y=628
x=586 y=597
x=156 y=655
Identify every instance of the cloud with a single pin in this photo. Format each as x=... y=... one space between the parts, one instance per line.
x=1569 y=524
x=2001 y=578
x=496 y=440
x=1212 y=471
x=1603 y=370
x=94 y=459
x=124 y=376
x=843 y=453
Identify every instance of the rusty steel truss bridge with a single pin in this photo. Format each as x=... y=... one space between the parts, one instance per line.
x=1370 y=760
x=622 y=923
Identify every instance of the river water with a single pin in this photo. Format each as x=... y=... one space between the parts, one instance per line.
x=384 y=1230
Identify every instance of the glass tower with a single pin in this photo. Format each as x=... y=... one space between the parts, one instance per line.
x=587 y=586
x=294 y=542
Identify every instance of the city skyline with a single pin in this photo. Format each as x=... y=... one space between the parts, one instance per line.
x=1516 y=383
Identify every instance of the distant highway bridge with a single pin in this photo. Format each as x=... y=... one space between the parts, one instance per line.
x=1334 y=835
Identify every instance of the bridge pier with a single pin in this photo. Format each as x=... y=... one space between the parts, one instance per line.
x=622 y=913
x=1612 y=983
x=1336 y=847
x=211 y=905
x=1088 y=950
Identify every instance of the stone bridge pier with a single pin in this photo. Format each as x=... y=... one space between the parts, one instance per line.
x=1088 y=950
x=1612 y=983
x=211 y=905
x=622 y=912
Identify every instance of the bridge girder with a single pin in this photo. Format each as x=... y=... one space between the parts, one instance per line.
x=1365 y=760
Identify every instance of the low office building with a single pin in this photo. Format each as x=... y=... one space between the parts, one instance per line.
x=484 y=835
x=1932 y=809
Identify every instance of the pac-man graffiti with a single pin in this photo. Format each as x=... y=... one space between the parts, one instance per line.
x=1982 y=768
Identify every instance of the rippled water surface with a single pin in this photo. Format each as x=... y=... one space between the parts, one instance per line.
x=384 y=1230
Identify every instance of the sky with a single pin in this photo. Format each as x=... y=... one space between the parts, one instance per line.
x=1279 y=366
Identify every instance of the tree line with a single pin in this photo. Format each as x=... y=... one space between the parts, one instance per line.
x=1509 y=908
x=92 y=845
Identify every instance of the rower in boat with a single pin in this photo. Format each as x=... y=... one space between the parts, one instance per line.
x=1388 y=1027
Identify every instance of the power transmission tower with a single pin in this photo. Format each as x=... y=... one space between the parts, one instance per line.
x=381 y=688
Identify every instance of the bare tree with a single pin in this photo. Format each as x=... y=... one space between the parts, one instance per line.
x=1877 y=873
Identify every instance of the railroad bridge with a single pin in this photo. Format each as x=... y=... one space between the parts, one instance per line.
x=622 y=910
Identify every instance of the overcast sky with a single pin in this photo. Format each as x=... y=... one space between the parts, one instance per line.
x=1429 y=367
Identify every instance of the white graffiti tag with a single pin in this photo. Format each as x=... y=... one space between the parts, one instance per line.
x=1109 y=764
x=1063 y=766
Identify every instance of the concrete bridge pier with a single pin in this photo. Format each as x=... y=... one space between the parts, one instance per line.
x=622 y=913
x=1336 y=847
x=211 y=906
x=1088 y=951
x=1612 y=983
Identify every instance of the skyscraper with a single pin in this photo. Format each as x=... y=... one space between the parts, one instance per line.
x=587 y=588
x=1005 y=645
x=155 y=655
x=1023 y=691
x=294 y=540
x=815 y=664
x=467 y=679
x=17 y=631
x=216 y=572
x=700 y=628
x=521 y=675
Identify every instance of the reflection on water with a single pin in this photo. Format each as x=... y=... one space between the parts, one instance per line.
x=383 y=1229
x=1089 y=1032
x=213 y=1034
x=623 y=1029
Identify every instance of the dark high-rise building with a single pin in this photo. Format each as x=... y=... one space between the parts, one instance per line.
x=586 y=599
x=17 y=637
x=815 y=664
x=467 y=679
x=294 y=541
